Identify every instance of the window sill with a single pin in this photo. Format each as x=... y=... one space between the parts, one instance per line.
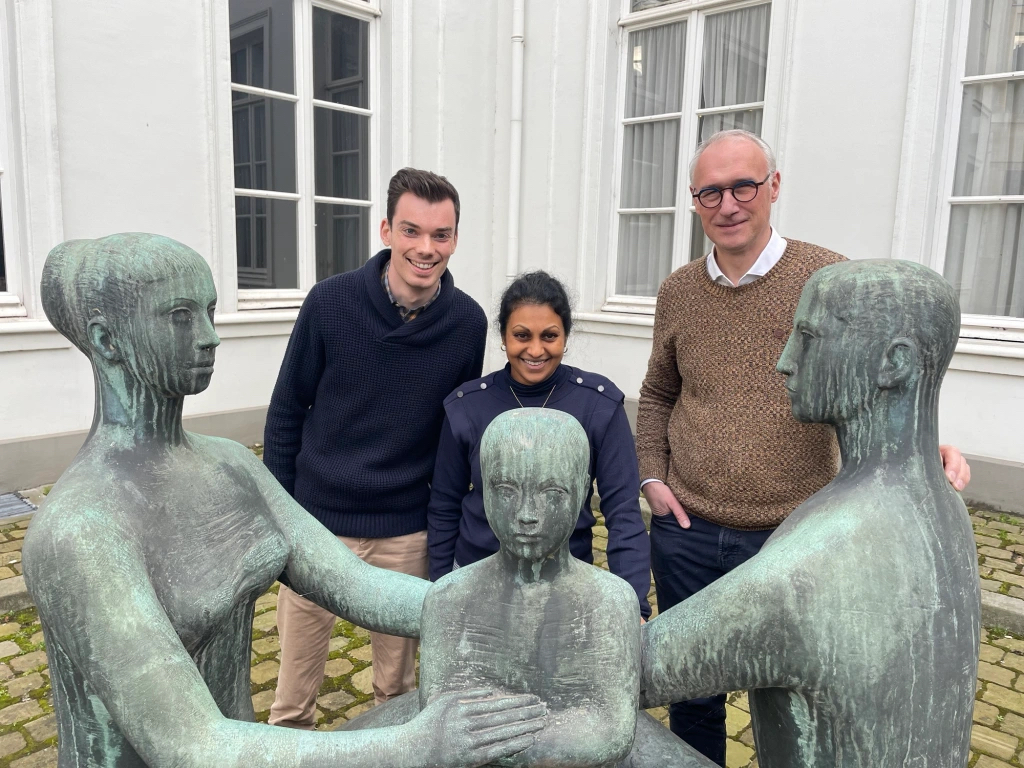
x=11 y=306
x=249 y=300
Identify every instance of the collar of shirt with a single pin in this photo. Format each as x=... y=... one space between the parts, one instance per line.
x=769 y=258
x=406 y=313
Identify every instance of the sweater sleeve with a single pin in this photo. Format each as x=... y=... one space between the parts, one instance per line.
x=658 y=395
x=444 y=512
x=629 y=547
x=294 y=393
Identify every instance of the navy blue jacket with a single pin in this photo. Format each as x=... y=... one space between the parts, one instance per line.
x=354 y=420
x=457 y=528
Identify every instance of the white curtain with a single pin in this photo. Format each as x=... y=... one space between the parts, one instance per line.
x=735 y=63
x=650 y=157
x=985 y=250
x=639 y=5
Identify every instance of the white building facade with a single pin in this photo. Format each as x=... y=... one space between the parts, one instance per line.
x=262 y=133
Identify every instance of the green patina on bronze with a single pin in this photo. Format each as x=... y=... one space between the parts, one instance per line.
x=534 y=619
x=856 y=628
x=149 y=554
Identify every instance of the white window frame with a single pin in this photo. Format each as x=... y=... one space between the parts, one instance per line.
x=305 y=195
x=987 y=327
x=694 y=13
x=11 y=302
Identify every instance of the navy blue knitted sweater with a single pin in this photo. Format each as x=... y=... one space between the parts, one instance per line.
x=457 y=526
x=353 y=423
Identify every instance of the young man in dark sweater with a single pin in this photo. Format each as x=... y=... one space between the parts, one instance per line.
x=354 y=420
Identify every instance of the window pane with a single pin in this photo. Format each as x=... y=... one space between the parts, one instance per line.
x=262 y=49
x=735 y=57
x=264 y=143
x=639 y=5
x=747 y=119
x=342 y=147
x=645 y=253
x=654 y=75
x=340 y=55
x=265 y=242
x=649 y=155
x=996 y=38
x=990 y=157
x=985 y=258
x=700 y=246
x=342 y=238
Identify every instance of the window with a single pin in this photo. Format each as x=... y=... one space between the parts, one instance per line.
x=984 y=250
x=686 y=78
x=302 y=127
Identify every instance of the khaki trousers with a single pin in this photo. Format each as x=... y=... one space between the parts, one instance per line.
x=305 y=631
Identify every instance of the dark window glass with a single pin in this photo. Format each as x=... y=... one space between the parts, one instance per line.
x=3 y=268
x=340 y=56
x=265 y=243
x=342 y=238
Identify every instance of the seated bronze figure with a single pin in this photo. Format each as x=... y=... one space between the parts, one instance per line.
x=856 y=628
x=149 y=554
x=533 y=619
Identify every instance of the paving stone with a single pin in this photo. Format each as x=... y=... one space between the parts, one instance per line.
x=990 y=585
x=5 y=672
x=11 y=743
x=357 y=710
x=9 y=648
x=363 y=681
x=263 y=700
x=363 y=653
x=265 y=621
x=23 y=710
x=1001 y=745
x=19 y=686
x=1004 y=698
x=741 y=701
x=987 y=541
x=995 y=674
x=44 y=728
x=10 y=628
x=268 y=600
x=361 y=632
x=1017 y=592
x=337 y=667
x=737 y=755
x=1010 y=644
x=11 y=546
x=1002 y=566
x=985 y=713
x=736 y=720
x=28 y=661
x=10 y=558
x=268 y=644
x=336 y=700
x=990 y=762
x=998 y=554
x=659 y=713
x=7 y=573
x=338 y=644
x=17 y=533
x=1013 y=724
x=747 y=737
x=45 y=759
x=264 y=672
x=990 y=653
x=37 y=638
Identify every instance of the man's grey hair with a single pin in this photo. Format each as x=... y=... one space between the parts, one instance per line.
x=735 y=133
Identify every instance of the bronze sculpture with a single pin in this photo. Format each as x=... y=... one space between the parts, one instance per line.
x=856 y=628
x=148 y=556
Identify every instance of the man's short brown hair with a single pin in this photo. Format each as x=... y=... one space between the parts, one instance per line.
x=425 y=185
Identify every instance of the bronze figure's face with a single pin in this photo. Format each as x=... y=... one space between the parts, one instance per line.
x=814 y=362
x=535 y=469
x=171 y=338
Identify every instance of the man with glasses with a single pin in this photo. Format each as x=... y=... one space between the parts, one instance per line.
x=724 y=460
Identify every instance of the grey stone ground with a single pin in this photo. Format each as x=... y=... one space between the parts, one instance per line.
x=28 y=730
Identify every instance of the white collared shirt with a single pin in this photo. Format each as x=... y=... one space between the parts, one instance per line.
x=769 y=258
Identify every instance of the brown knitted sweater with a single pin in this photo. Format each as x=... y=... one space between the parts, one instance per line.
x=714 y=420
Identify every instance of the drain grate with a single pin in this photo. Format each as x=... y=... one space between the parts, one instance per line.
x=11 y=504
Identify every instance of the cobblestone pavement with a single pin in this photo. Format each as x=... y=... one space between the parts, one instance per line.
x=28 y=730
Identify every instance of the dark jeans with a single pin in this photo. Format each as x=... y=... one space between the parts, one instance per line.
x=684 y=561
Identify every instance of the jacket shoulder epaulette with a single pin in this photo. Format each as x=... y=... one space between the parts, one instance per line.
x=598 y=383
x=469 y=389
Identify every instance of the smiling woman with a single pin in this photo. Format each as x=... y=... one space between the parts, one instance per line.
x=535 y=319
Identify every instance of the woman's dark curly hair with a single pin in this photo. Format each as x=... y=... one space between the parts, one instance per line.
x=538 y=288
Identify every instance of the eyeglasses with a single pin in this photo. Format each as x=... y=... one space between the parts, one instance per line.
x=744 y=192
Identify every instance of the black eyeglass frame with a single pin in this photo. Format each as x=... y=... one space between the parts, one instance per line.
x=722 y=190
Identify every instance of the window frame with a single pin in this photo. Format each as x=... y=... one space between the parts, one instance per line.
x=972 y=326
x=305 y=196
x=12 y=302
x=694 y=13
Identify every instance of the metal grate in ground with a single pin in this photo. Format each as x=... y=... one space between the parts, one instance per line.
x=11 y=504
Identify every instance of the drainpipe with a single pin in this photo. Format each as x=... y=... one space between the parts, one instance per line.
x=515 y=137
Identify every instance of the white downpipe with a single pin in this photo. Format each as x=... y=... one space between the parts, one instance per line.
x=515 y=163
